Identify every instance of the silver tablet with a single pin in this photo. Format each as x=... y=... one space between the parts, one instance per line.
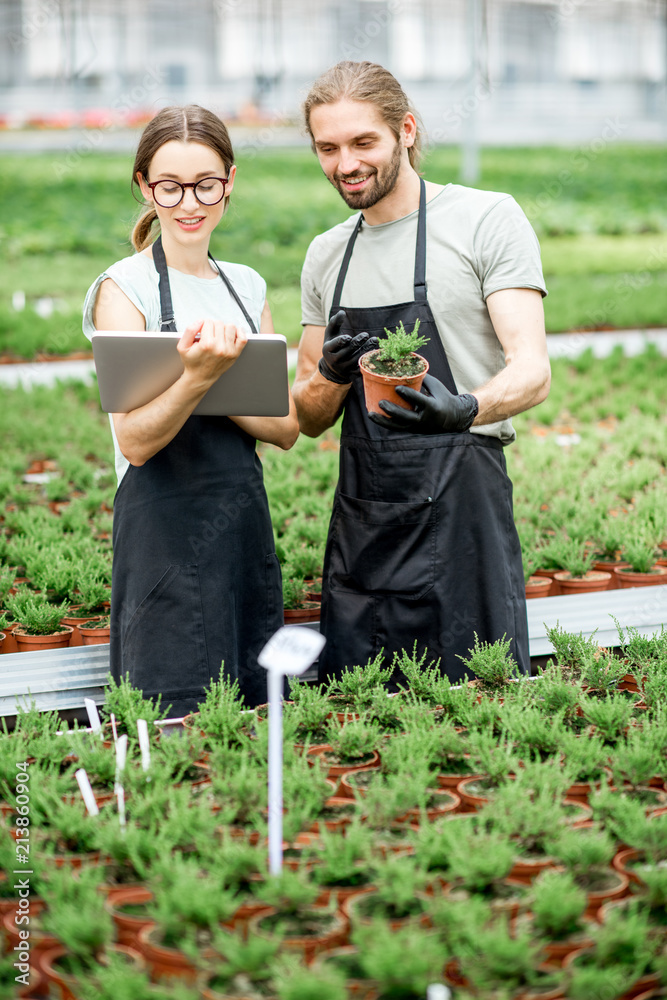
x=134 y=368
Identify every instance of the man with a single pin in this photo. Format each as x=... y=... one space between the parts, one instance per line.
x=422 y=544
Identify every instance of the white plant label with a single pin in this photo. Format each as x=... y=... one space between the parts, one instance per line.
x=291 y=650
x=93 y=715
x=83 y=782
x=436 y=991
x=144 y=744
x=114 y=730
x=120 y=798
x=121 y=753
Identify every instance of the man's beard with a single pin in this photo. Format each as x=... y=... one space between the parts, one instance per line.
x=381 y=183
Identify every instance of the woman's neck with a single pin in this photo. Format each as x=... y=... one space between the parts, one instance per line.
x=191 y=259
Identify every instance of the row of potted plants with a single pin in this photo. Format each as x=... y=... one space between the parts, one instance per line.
x=588 y=489
x=467 y=835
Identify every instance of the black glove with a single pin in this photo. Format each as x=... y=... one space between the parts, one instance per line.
x=434 y=413
x=341 y=352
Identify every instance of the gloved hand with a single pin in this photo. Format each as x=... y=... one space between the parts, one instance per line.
x=434 y=413
x=341 y=352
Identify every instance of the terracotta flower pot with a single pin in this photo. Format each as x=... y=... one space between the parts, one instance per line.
x=581 y=791
x=377 y=387
x=128 y=925
x=94 y=636
x=308 y=945
x=616 y=890
x=343 y=807
x=345 y=958
x=471 y=799
x=75 y=622
x=63 y=984
x=592 y=581
x=610 y=566
x=550 y=574
x=627 y=578
x=443 y=802
x=163 y=961
x=34 y=643
x=526 y=870
x=353 y=907
x=337 y=770
x=538 y=586
x=9 y=645
x=556 y=952
x=310 y=612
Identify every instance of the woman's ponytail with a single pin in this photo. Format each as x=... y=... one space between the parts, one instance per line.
x=141 y=234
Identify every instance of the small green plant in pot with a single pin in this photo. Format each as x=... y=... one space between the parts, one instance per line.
x=492 y=663
x=38 y=620
x=558 y=905
x=394 y=363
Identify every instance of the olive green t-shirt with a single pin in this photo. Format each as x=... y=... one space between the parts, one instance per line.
x=477 y=242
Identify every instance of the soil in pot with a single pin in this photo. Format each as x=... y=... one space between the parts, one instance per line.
x=308 y=612
x=538 y=586
x=311 y=930
x=592 y=581
x=96 y=632
x=33 y=643
x=380 y=385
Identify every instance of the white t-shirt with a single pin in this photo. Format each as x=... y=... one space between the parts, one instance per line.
x=477 y=242
x=193 y=299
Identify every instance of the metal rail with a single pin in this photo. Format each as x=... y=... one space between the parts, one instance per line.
x=62 y=678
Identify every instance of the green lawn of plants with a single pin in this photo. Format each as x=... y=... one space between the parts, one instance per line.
x=476 y=836
x=601 y=220
x=588 y=470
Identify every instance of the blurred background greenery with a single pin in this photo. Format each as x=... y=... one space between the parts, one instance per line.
x=601 y=221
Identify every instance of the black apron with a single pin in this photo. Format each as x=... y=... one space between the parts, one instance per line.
x=196 y=580
x=422 y=544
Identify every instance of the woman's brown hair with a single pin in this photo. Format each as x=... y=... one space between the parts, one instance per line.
x=365 y=81
x=190 y=123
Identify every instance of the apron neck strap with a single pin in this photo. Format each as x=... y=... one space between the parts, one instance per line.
x=420 y=255
x=232 y=292
x=420 y=250
x=166 y=308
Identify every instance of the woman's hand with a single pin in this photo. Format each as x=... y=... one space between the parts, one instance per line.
x=208 y=348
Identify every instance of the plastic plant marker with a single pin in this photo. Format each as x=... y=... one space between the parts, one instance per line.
x=290 y=651
x=114 y=730
x=436 y=991
x=93 y=715
x=142 y=729
x=83 y=782
x=121 y=755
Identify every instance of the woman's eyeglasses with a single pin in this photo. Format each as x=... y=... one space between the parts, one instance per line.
x=208 y=191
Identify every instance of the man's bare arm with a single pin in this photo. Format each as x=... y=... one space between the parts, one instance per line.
x=318 y=401
x=517 y=315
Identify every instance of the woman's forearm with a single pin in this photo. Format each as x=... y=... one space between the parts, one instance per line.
x=281 y=431
x=143 y=432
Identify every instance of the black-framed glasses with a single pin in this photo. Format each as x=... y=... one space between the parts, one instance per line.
x=208 y=191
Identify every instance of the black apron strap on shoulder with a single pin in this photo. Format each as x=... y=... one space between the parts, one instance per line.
x=168 y=324
x=420 y=252
x=342 y=274
x=232 y=292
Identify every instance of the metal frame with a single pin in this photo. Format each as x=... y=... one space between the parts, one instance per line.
x=62 y=678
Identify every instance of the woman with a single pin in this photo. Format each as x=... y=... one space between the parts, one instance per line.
x=196 y=581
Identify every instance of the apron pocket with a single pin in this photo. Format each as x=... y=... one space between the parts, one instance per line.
x=383 y=548
x=167 y=627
